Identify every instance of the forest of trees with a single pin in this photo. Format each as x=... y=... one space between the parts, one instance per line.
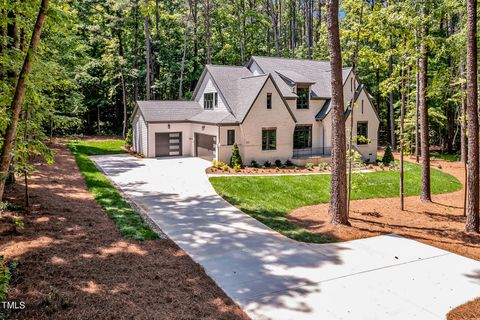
x=96 y=58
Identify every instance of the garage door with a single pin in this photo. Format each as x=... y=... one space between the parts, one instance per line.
x=168 y=144
x=205 y=146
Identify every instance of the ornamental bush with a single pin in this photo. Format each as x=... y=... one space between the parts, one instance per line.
x=236 y=159
x=388 y=156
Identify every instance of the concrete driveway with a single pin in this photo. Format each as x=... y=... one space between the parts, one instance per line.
x=273 y=277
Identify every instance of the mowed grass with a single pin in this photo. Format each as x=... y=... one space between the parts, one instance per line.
x=269 y=199
x=128 y=221
x=447 y=157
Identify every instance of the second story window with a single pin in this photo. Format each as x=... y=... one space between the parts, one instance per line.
x=269 y=101
x=208 y=101
x=303 y=99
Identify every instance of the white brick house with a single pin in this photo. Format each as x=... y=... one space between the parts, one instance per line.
x=273 y=108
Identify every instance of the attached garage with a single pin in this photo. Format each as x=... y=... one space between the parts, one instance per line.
x=205 y=146
x=168 y=144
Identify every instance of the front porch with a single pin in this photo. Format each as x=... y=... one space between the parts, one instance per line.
x=311 y=155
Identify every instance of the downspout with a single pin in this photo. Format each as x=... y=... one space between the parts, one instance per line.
x=217 y=143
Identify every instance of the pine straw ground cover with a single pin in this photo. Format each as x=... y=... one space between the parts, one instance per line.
x=73 y=263
x=440 y=223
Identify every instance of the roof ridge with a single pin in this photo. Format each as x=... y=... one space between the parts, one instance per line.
x=294 y=59
x=225 y=66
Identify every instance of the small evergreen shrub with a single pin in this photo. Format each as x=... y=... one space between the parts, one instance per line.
x=288 y=163
x=237 y=168
x=236 y=159
x=267 y=164
x=309 y=166
x=278 y=163
x=129 y=138
x=388 y=156
x=254 y=164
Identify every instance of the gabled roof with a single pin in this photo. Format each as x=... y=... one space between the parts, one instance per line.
x=158 y=111
x=317 y=73
x=239 y=87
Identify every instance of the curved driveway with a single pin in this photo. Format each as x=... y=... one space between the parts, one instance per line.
x=273 y=277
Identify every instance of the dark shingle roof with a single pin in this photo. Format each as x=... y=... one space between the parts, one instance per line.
x=317 y=72
x=168 y=110
x=238 y=86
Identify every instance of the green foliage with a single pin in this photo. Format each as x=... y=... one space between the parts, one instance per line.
x=269 y=199
x=267 y=164
x=129 y=222
x=254 y=164
x=278 y=163
x=288 y=163
x=309 y=166
x=235 y=159
x=388 y=156
x=5 y=277
x=129 y=138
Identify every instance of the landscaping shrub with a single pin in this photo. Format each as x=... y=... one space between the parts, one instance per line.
x=388 y=156
x=267 y=164
x=278 y=163
x=309 y=166
x=236 y=159
x=254 y=164
x=129 y=138
x=237 y=168
x=323 y=165
x=288 y=163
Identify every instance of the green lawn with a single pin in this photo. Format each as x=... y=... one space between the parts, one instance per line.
x=129 y=222
x=269 y=199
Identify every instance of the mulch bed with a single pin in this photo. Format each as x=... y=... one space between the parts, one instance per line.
x=74 y=264
x=279 y=170
x=440 y=223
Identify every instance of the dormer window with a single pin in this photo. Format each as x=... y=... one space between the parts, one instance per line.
x=208 y=101
x=303 y=97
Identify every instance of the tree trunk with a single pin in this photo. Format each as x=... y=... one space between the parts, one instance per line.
x=274 y=26
x=240 y=33
x=182 y=66
x=338 y=190
x=472 y=109
x=417 y=100
x=16 y=106
x=402 y=116
x=148 y=56
x=425 y=143
x=391 y=112
x=207 y=31
x=157 y=18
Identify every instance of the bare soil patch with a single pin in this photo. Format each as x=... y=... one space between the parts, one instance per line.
x=440 y=223
x=74 y=264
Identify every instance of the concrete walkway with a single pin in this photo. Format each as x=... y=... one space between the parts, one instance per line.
x=273 y=277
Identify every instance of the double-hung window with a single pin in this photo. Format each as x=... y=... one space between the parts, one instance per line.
x=269 y=138
x=208 y=101
x=303 y=98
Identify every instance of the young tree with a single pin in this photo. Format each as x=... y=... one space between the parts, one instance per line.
x=338 y=188
x=17 y=101
x=472 y=224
